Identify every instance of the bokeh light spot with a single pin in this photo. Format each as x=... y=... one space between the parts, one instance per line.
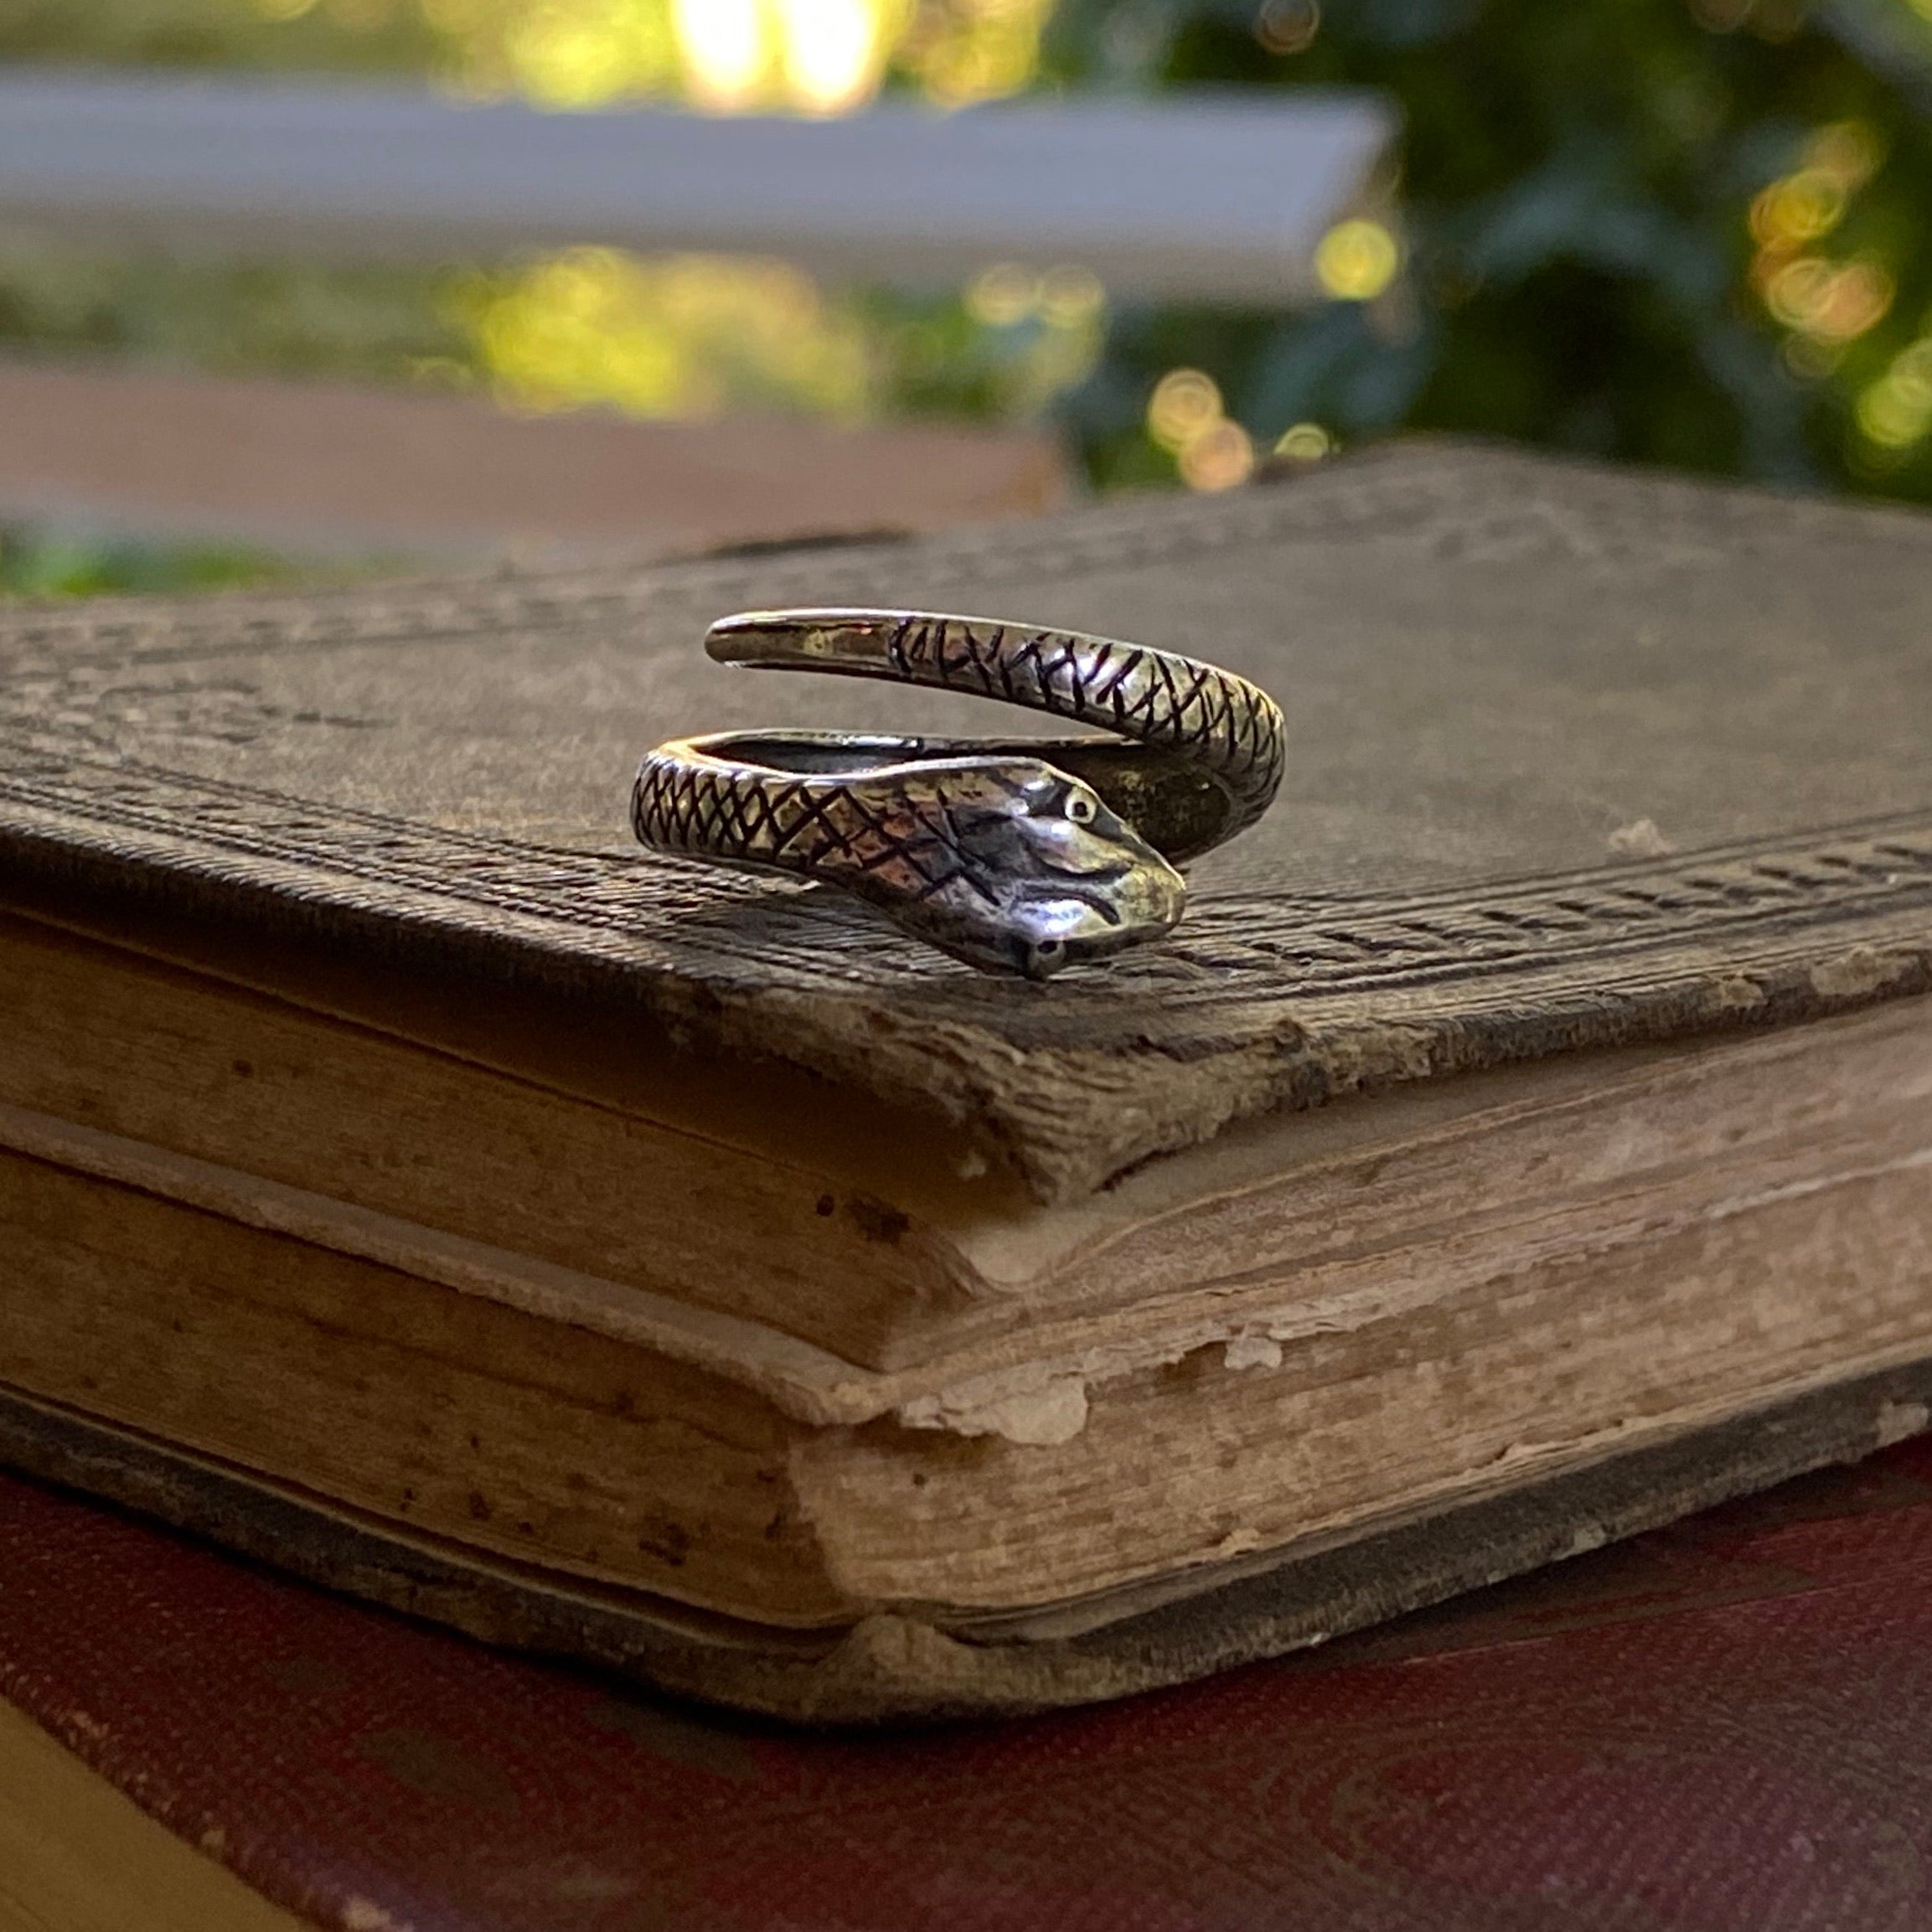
x=1219 y=458
x=1834 y=302
x=1896 y=411
x=1800 y=207
x=1304 y=442
x=1070 y=296
x=1288 y=26
x=1185 y=402
x=1002 y=295
x=1355 y=261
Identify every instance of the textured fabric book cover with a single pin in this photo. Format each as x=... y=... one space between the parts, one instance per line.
x=1721 y=1727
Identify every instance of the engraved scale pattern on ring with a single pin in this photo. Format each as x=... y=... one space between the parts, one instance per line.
x=1017 y=856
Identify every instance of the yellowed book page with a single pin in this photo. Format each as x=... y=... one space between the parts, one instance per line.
x=75 y=1856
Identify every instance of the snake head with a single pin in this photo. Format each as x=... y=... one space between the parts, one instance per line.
x=1023 y=868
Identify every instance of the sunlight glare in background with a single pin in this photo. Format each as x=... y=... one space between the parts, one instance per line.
x=690 y=336
x=815 y=56
x=834 y=53
x=728 y=56
x=723 y=43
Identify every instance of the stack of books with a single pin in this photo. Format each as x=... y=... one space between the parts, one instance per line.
x=1527 y=1140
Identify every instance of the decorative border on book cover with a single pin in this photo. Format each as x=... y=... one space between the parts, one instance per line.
x=613 y=907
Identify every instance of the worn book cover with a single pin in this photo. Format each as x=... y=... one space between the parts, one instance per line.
x=1522 y=1141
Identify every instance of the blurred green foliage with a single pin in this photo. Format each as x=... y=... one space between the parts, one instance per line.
x=1689 y=232
x=284 y=318
x=37 y=563
x=347 y=36
x=674 y=334
x=1576 y=188
x=276 y=318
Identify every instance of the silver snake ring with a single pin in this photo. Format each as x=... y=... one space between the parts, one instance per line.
x=1014 y=854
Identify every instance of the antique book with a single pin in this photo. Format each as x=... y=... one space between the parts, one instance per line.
x=1723 y=1725
x=1525 y=1140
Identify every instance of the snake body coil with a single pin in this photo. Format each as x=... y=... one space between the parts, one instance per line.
x=1015 y=856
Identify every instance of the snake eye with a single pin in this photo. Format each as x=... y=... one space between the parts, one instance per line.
x=1079 y=807
x=1043 y=956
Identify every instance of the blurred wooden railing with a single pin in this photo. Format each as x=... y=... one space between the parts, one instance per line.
x=1210 y=199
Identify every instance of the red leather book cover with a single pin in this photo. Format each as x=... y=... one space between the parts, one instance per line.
x=1725 y=1727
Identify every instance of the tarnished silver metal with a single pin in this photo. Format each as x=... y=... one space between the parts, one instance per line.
x=1016 y=855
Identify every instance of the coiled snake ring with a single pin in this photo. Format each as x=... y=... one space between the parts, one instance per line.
x=1014 y=854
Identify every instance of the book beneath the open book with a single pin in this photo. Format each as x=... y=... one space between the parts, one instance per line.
x=1526 y=1139
x=1721 y=1726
